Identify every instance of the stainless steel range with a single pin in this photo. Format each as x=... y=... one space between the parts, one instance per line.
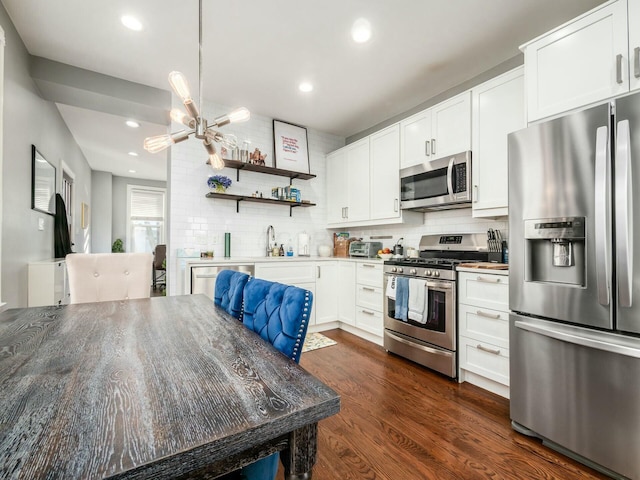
x=420 y=311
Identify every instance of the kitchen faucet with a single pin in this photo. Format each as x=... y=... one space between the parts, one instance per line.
x=271 y=237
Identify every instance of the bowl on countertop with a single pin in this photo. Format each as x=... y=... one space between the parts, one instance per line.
x=385 y=256
x=324 y=250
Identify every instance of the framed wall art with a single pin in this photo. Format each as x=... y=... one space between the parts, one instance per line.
x=291 y=147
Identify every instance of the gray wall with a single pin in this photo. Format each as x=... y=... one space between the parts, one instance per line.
x=101 y=211
x=28 y=119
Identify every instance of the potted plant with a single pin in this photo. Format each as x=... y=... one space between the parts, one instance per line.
x=118 y=246
x=219 y=183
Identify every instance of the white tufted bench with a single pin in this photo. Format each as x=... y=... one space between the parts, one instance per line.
x=99 y=277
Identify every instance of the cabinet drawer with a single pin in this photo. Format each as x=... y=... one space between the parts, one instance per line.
x=369 y=320
x=484 y=290
x=369 y=273
x=485 y=359
x=287 y=272
x=484 y=324
x=369 y=297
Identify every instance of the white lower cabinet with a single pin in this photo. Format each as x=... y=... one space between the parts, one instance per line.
x=324 y=302
x=48 y=283
x=483 y=321
x=347 y=292
x=369 y=297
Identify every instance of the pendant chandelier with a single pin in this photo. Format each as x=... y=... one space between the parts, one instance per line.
x=200 y=127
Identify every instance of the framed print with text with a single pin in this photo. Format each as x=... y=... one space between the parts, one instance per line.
x=291 y=147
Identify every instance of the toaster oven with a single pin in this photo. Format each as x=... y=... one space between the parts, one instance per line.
x=364 y=249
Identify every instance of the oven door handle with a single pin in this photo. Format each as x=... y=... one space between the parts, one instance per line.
x=435 y=351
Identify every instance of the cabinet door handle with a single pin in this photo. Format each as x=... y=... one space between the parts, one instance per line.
x=636 y=62
x=346 y=209
x=475 y=193
x=480 y=313
x=318 y=267
x=368 y=289
x=395 y=205
x=488 y=350
x=433 y=146
x=368 y=312
x=488 y=280
x=619 y=68
x=368 y=265
x=426 y=148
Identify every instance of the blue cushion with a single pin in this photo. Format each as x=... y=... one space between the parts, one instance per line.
x=229 y=287
x=278 y=313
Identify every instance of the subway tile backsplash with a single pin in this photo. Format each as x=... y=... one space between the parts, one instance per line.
x=199 y=223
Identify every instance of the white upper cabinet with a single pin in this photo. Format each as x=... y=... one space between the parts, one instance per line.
x=634 y=43
x=498 y=109
x=439 y=131
x=579 y=63
x=384 y=173
x=337 y=186
x=358 y=178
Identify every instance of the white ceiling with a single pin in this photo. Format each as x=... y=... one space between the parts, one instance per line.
x=255 y=53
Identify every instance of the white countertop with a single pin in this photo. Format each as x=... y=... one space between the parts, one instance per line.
x=192 y=261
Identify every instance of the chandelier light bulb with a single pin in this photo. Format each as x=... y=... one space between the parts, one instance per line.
x=179 y=116
x=239 y=115
x=216 y=162
x=158 y=143
x=180 y=85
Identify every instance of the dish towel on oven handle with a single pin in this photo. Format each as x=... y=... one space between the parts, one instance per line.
x=418 y=298
x=402 y=298
x=391 y=287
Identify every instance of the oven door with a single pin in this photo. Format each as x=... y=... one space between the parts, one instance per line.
x=440 y=327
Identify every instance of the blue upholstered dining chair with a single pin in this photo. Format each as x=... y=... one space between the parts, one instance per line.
x=228 y=293
x=280 y=315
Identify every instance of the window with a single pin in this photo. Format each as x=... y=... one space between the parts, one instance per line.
x=67 y=196
x=145 y=218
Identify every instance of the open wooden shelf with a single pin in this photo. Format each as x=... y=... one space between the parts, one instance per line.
x=250 y=167
x=246 y=198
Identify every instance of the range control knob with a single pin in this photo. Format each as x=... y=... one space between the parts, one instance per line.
x=413 y=271
x=436 y=273
x=394 y=269
x=399 y=269
x=429 y=272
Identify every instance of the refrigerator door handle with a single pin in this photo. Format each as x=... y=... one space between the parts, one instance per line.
x=624 y=215
x=602 y=220
x=589 y=341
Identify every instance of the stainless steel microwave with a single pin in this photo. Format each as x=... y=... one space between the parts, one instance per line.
x=437 y=185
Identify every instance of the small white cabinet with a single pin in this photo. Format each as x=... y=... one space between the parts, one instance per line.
x=48 y=283
x=634 y=43
x=581 y=62
x=483 y=319
x=325 y=303
x=369 y=297
x=384 y=194
x=347 y=292
x=337 y=186
x=436 y=132
x=498 y=109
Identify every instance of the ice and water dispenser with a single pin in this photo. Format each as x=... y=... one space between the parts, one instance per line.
x=555 y=251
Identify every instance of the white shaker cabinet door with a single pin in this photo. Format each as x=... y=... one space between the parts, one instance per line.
x=451 y=126
x=385 y=173
x=337 y=186
x=582 y=62
x=347 y=292
x=325 y=303
x=415 y=139
x=358 y=180
x=498 y=109
x=634 y=44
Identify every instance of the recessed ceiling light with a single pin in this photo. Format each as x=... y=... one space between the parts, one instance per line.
x=131 y=23
x=305 y=87
x=133 y=154
x=132 y=124
x=361 y=30
x=132 y=171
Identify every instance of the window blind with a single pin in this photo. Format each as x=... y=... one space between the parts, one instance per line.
x=147 y=205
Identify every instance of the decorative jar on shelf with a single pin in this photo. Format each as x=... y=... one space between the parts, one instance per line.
x=219 y=183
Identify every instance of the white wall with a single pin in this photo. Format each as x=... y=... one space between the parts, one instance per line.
x=28 y=119
x=199 y=222
x=101 y=211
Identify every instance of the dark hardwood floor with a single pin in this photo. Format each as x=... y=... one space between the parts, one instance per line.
x=399 y=421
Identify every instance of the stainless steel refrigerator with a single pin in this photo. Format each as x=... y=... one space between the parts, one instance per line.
x=575 y=284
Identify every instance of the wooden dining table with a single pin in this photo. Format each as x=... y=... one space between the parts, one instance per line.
x=165 y=387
